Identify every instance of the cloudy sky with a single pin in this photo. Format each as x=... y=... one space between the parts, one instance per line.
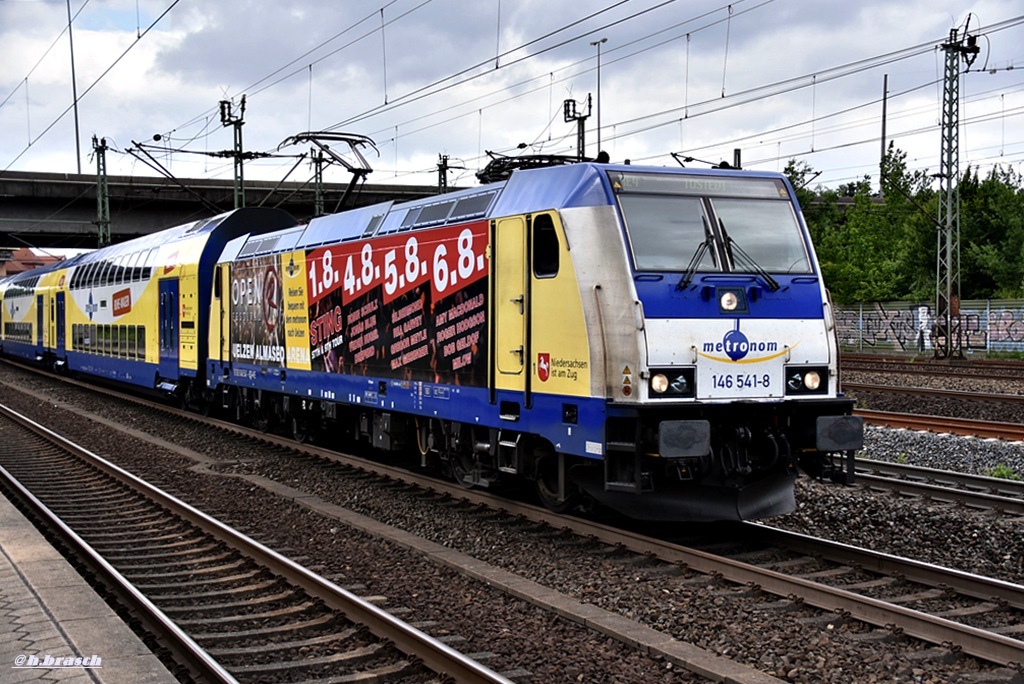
x=777 y=79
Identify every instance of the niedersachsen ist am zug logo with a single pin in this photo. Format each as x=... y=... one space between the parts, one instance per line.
x=736 y=347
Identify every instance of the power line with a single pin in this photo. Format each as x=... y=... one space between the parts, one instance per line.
x=93 y=85
x=24 y=81
x=634 y=126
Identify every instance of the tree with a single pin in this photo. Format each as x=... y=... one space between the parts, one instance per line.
x=992 y=235
x=882 y=248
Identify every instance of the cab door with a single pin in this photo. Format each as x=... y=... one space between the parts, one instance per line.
x=511 y=303
x=169 y=328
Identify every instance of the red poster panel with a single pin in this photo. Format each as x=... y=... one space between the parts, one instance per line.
x=410 y=306
x=447 y=258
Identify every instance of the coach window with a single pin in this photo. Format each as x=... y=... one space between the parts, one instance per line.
x=94 y=273
x=141 y=351
x=87 y=274
x=545 y=247
x=122 y=268
x=147 y=268
x=122 y=331
x=134 y=270
x=129 y=265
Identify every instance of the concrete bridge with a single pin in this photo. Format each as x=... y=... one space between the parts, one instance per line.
x=60 y=210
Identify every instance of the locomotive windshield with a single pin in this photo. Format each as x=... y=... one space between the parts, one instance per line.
x=710 y=224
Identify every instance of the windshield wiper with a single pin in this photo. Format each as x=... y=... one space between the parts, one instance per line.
x=746 y=261
x=691 y=268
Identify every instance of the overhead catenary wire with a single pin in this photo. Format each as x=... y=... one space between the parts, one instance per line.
x=624 y=129
x=439 y=86
x=42 y=57
x=85 y=92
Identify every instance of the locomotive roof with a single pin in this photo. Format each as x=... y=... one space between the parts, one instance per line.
x=534 y=190
x=526 y=191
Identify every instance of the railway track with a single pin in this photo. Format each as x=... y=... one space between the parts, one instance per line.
x=976 y=491
x=989 y=429
x=928 y=609
x=987 y=369
x=934 y=393
x=198 y=584
x=966 y=427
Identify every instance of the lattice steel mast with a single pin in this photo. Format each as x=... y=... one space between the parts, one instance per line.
x=99 y=146
x=949 y=338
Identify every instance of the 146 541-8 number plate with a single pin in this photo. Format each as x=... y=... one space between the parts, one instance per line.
x=725 y=383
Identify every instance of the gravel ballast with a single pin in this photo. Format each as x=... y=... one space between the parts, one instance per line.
x=781 y=638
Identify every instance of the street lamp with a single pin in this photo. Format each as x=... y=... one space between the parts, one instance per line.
x=599 y=43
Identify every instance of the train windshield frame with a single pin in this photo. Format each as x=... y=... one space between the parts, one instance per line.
x=710 y=224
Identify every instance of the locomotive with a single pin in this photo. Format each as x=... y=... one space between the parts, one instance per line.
x=658 y=340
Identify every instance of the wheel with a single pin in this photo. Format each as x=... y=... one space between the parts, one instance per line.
x=262 y=419
x=546 y=484
x=300 y=430
x=464 y=469
x=207 y=407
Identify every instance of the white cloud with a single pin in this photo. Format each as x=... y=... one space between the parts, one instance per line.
x=320 y=63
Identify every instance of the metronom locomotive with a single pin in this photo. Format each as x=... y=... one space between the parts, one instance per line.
x=656 y=339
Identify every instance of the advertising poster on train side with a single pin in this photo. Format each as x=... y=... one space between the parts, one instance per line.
x=409 y=306
x=257 y=314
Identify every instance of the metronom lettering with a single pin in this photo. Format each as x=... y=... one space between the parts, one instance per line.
x=743 y=346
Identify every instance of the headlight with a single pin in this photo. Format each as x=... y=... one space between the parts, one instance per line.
x=673 y=383
x=680 y=385
x=729 y=301
x=813 y=380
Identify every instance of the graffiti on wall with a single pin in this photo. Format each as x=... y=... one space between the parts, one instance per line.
x=983 y=326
